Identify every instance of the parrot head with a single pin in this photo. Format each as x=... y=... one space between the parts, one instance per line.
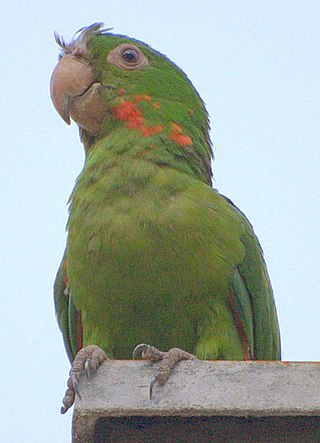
x=106 y=82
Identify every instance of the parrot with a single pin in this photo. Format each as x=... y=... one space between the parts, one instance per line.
x=156 y=260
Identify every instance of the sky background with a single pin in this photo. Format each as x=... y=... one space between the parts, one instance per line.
x=256 y=65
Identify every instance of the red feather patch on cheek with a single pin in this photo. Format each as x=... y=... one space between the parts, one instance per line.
x=121 y=91
x=142 y=98
x=128 y=113
x=177 y=136
x=133 y=118
x=151 y=130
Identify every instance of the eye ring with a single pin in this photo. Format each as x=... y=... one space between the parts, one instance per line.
x=127 y=57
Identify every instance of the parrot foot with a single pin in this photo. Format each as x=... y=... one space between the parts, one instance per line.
x=168 y=361
x=87 y=360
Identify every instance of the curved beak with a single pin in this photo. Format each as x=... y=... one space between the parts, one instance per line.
x=71 y=78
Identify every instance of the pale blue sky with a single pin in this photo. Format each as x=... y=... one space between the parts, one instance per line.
x=256 y=65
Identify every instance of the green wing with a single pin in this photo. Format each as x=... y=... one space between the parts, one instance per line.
x=253 y=302
x=69 y=319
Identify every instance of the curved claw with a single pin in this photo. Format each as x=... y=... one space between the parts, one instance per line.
x=64 y=409
x=152 y=384
x=148 y=352
x=89 y=368
x=139 y=348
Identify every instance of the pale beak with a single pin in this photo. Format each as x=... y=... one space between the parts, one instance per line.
x=70 y=79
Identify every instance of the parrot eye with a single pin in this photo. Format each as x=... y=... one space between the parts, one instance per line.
x=127 y=57
x=130 y=56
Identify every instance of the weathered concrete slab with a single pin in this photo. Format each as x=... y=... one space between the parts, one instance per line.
x=197 y=389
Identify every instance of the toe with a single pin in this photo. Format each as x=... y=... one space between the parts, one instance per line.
x=87 y=360
x=96 y=357
x=69 y=396
x=168 y=360
x=75 y=378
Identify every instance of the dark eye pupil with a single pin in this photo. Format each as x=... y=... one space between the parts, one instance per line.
x=130 y=55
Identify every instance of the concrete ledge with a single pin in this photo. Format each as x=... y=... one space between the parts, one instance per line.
x=200 y=389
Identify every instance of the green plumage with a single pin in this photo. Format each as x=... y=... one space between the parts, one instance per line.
x=154 y=254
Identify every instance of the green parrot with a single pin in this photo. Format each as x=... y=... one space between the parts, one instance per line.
x=154 y=254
